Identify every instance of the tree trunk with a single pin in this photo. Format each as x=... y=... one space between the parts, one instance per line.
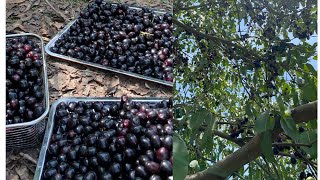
x=251 y=150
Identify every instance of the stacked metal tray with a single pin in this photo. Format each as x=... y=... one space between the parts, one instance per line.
x=50 y=124
x=29 y=134
x=95 y=65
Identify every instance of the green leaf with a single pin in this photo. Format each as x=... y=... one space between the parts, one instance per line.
x=309 y=92
x=315 y=57
x=295 y=96
x=289 y=127
x=266 y=146
x=312 y=124
x=207 y=138
x=309 y=137
x=198 y=117
x=248 y=109
x=311 y=69
x=281 y=104
x=264 y=122
x=178 y=112
x=180 y=158
x=196 y=120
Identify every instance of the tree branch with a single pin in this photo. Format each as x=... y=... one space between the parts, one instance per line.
x=305 y=112
x=192 y=7
x=205 y=4
x=238 y=141
x=305 y=159
x=234 y=123
x=231 y=163
x=291 y=144
x=226 y=136
x=301 y=158
x=251 y=150
x=213 y=38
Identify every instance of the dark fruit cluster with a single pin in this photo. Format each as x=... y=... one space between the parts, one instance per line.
x=295 y=154
x=180 y=61
x=279 y=139
x=236 y=129
x=303 y=175
x=97 y=140
x=24 y=80
x=117 y=36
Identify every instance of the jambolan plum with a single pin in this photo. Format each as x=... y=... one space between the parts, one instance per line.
x=139 y=41
x=24 y=81
x=117 y=145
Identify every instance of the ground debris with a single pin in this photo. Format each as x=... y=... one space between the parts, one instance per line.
x=68 y=79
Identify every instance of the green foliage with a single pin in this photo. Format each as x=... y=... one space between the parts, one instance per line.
x=180 y=158
x=264 y=122
x=266 y=146
x=244 y=60
x=309 y=137
x=289 y=128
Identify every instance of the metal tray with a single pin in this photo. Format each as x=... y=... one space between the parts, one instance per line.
x=50 y=123
x=67 y=58
x=27 y=134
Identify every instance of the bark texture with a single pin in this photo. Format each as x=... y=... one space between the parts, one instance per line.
x=251 y=150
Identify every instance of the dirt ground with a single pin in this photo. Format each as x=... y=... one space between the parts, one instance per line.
x=46 y=18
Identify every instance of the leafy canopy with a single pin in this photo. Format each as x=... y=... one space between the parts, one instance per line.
x=242 y=59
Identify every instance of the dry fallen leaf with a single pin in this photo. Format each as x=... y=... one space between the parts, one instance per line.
x=13 y=177
x=112 y=81
x=146 y=85
x=86 y=80
x=112 y=91
x=58 y=25
x=17 y=25
x=14 y=157
x=68 y=69
x=9 y=14
x=48 y=20
x=136 y=89
x=26 y=18
x=14 y=1
x=101 y=91
x=74 y=75
x=65 y=6
x=73 y=83
x=36 y=3
x=22 y=172
x=59 y=81
x=43 y=30
x=86 y=90
x=87 y=73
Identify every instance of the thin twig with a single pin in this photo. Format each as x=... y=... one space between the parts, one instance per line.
x=291 y=144
x=313 y=164
x=301 y=158
x=275 y=169
x=245 y=88
x=312 y=170
x=62 y=15
x=267 y=164
x=199 y=153
x=234 y=123
x=264 y=169
x=27 y=157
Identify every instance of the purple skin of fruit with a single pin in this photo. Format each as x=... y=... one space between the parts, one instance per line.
x=20 y=77
x=132 y=149
x=162 y=153
x=120 y=36
x=152 y=167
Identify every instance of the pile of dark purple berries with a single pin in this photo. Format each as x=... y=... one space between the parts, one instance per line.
x=24 y=80
x=137 y=41
x=96 y=140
